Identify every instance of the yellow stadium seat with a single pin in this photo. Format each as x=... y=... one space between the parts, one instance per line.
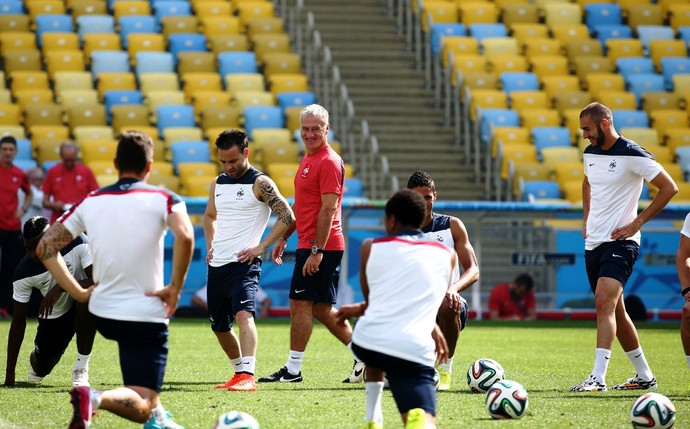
x=549 y=65
x=175 y=134
x=492 y=46
x=681 y=87
x=477 y=12
x=663 y=120
x=520 y=100
x=63 y=81
x=46 y=150
x=622 y=48
x=26 y=97
x=676 y=137
x=227 y=42
x=72 y=97
x=517 y=153
x=660 y=100
x=98 y=150
x=292 y=120
x=199 y=62
x=572 y=191
x=59 y=61
x=100 y=42
x=540 y=47
x=679 y=15
x=86 y=115
x=267 y=24
x=97 y=132
x=598 y=82
x=487 y=99
x=557 y=155
x=102 y=167
x=143 y=42
x=643 y=14
x=508 y=136
x=87 y=7
x=507 y=63
x=437 y=12
x=212 y=8
x=104 y=180
x=28 y=60
x=10 y=114
x=244 y=99
x=14 y=23
x=457 y=45
x=195 y=82
x=583 y=48
x=124 y=7
x=17 y=41
x=659 y=49
x=49 y=132
x=115 y=81
x=562 y=13
x=571 y=99
x=279 y=62
x=249 y=10
x=270 y=43
x=42 y=114
x=44 y=7
x=272 y=136
x=553 y=85
x=179 y=24
x=530 y=171
x=155 y=99
x=162 y=169
x=197 y=169
x=569 y=171
x=196 y=186
x=59 y=42
x=567 y=32
x=282 y=169
x=586 y=65
x=618 y=100
x=286 y=186
x=158 y=82
x=478 y=80
x=129 y=116
x=278 y=152
x=16 y=131
x=220 y=25
x=219 y=116
x=660 y=153
x=522 y=31
x=674 y=170
x=170 y=182
x=288 y=82
x=539 y=117
x=641 y=136
x=512 y=13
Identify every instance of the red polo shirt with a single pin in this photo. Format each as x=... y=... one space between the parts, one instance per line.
x=11 y=180
x=502 y=301
x=68 y=186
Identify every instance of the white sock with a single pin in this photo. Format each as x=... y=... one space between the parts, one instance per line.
x=237 y=364
x=374 y=392
x=687 y=358
x=640 y=363
x=95 y=397
x=446 y=365
x=349 y=346
x=82 y=361
x=294 y=362
x=248 y=364
x=158 y=413
x=601 y=364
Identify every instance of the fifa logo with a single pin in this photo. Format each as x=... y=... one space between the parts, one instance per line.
x=240 y=194
x=305 y=171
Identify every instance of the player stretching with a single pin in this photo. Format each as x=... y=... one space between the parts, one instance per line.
x=449 y=230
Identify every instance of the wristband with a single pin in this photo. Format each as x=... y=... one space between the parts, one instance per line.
x=684 y=291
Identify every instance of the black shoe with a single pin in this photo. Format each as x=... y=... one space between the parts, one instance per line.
x=282 y=375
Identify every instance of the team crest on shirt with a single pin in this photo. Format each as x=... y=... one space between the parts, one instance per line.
x=305 y=171
x=612 y=166
x=240 y=194
x=439 y=238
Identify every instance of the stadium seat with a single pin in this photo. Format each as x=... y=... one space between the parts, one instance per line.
x=281 y=63
x=660 y=153
x=95 y=24
x=87 y=7
x=197 y=169
x=513 y=13
x=519 y=81
x=496 y=46
x=679 y=15
x=127 y=8
x=487 y=99
x=496 y=118
x=549 y=65
x=550 y=136
x=618 y=99
x=98 y=150
x=158 y=98
x=583 y=48
x=248 y=10
x=288 y=82
x=506 y=136
x=558 y=155
x=671 y=66
x=117 y=97
x=647 y=33
x=57 y=61
x=24 y=60
x=441 y=30
x=571 y=99
x=569 y=171
x=660 y=100
x=278 y=152
x=228 y=43
x=663 y=120
x=136 y=24
x=517 y=153
x=44 y=7
x=213 y=8
x=186 y=42
x=520 y=100
x=42 y=114
x=292 y=99
x=154 y=62
x=109 y=62
x=50 y=23
x=196 y=62
x=71 y=97
x=264 y=24
x=219 y=116
x=619 y=48
x=28 y=80
x=189 y=151
x=630 y=118
x=487 y=30
x=223 y=25
x=641 y=136
x=12 y=40
x=676 y=138
x=603 y=14
x=537 y=47
x=170 y=8
x=55 y=41
x=27 y=97
x=143 y=42
x=562 y=13
x=262 y=117
x=115 y=81
x=523 y=32
x=536 y=117
x=100 y=42
x=659 y=49
x=644 y=14
x=236 y=62
x=46 y=150
x=131 y=116
x=475 y=12
x=14 y=23
x=528 y=171
x=174 y=116
x=597 y=82
x=634 y=65
x=11 y=7
x=158 y=82
x=86 y=115
x=203 y=99
x=539 y=190
x=683 y=157
x=640 y=83
x=263 y=136
x=194 y=82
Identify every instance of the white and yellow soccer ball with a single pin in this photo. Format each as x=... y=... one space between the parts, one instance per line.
x=236 y=420
x=506 y=399
x=483 y=373
x=653 y=410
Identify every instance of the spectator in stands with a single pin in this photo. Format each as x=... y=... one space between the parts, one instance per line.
x=36 y=177
x=314 y=287
x=683 y=266
x=261 y=300
x=513 y=300
x=67 y=182
x=12 y=179
x=239 y=204
x=615 y=169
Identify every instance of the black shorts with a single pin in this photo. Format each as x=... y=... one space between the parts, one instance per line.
x=143 y=348
x=614 y=259
x=54 y=335
x=231 y=288
x=320 y=287
x=411 y=383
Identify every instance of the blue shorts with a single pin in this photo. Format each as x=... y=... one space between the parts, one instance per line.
x=54 y=335
x=231 y=288
x=411 y=383
x=614 y=259
x=143 y=350
x=320 y=287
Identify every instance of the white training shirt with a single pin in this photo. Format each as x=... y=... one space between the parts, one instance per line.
x=686 y=226
x=616 y=177
x=407 y=277
x=33 y=274
x=439 y=230
x=126 y=223
x=241 y=218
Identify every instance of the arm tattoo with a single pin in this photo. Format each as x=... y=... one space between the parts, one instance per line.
x=276 y=203
x=53 y=240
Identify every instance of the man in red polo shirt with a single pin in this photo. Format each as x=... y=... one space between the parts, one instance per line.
x=12 y=178
x=514 y=300
x=67 y=182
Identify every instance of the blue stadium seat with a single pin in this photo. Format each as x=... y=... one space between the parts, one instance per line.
x=163 y=8
x=606 y=32
x=496 y=118
x=353 y=188
x=53 y=24
x=11 y=7
x=189 y=151
x=481 y=31
x=602 y=14
x=95 y=24
x=683 y=156
x=640 y=83
x=438 y=31
x=519 y=81
x=47 y=165
x=174 y=115
x=295 y=99
x=118 y=97
x=262 y=117
x=671 y=66
x=109 y=62
x=136 y=24
x=154 y=62
x=634 y=65
x=236 y=62
x=544 y=137
x=23 y=150
x=186 y=42
x=647 y=33
x=541 y=189
x=630 y=118
x=684 y=35
x=25 y=164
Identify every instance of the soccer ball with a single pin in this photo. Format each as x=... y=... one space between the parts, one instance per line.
x=483 y=373
x=236 y=420
x=653 y=410
x=506 y=399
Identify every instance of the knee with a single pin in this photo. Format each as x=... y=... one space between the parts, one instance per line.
x=686 y=312
x=603 y=304
x=243 y=317
x=300 y=307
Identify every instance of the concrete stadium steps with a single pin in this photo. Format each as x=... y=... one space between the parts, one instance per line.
x=389 y=93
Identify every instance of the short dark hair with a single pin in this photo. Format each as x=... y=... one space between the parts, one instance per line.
x=525 y=280
x=597 y=111
x=134 y=151
x=408 y=207
x=421 y=179
x=8 y=139
x=33 y=231
x=232 y=137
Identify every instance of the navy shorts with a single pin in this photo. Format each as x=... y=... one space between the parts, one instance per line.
x=614 y=259
x=411 y=383
x=320 y=287
x=143 y=348
x=231 y=288
x=54 y=335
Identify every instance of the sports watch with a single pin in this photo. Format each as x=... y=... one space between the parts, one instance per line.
x=316 y=249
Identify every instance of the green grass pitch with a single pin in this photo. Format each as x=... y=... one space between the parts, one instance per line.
x=547 y=358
